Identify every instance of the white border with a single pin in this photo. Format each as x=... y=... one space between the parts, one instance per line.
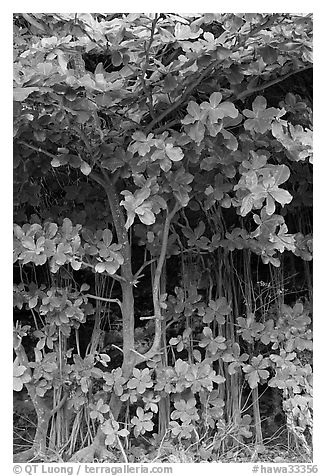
x=319 y=199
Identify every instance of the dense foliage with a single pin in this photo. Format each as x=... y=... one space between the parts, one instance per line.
x=162 y=236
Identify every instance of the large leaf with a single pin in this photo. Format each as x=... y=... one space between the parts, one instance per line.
x=20 y=94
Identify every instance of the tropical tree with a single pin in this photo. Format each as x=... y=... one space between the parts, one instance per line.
x=142 y=140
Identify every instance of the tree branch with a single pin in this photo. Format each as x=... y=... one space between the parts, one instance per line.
x=97 y=178
x=204 y=73
x=156 y=286
x=143 y=266
x=186 y=93
x=234 y=97
x=37 y=149
x=268 y=84
x=98 y=298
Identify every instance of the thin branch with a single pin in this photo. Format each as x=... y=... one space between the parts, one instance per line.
x=146 y=318
x=143 y=266
x=37 y=149
x=139 y=354
x=98 y=298
x=268 y=84
x=156 y=285
x=122 y=450
x=117 y=347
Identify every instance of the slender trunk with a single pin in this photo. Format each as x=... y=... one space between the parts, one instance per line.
x=43 y=419
x=249 y=294
x=164 y=402
x=127 y=307
x=42 y=410
x=234 y=379
x=97 y=448
x=257 y=419
x=130 y=357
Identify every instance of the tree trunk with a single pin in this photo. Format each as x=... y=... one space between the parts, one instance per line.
x=130 y=357
x=42 y=410
x=257 y=419
x=43 y=420
x=97 y=448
